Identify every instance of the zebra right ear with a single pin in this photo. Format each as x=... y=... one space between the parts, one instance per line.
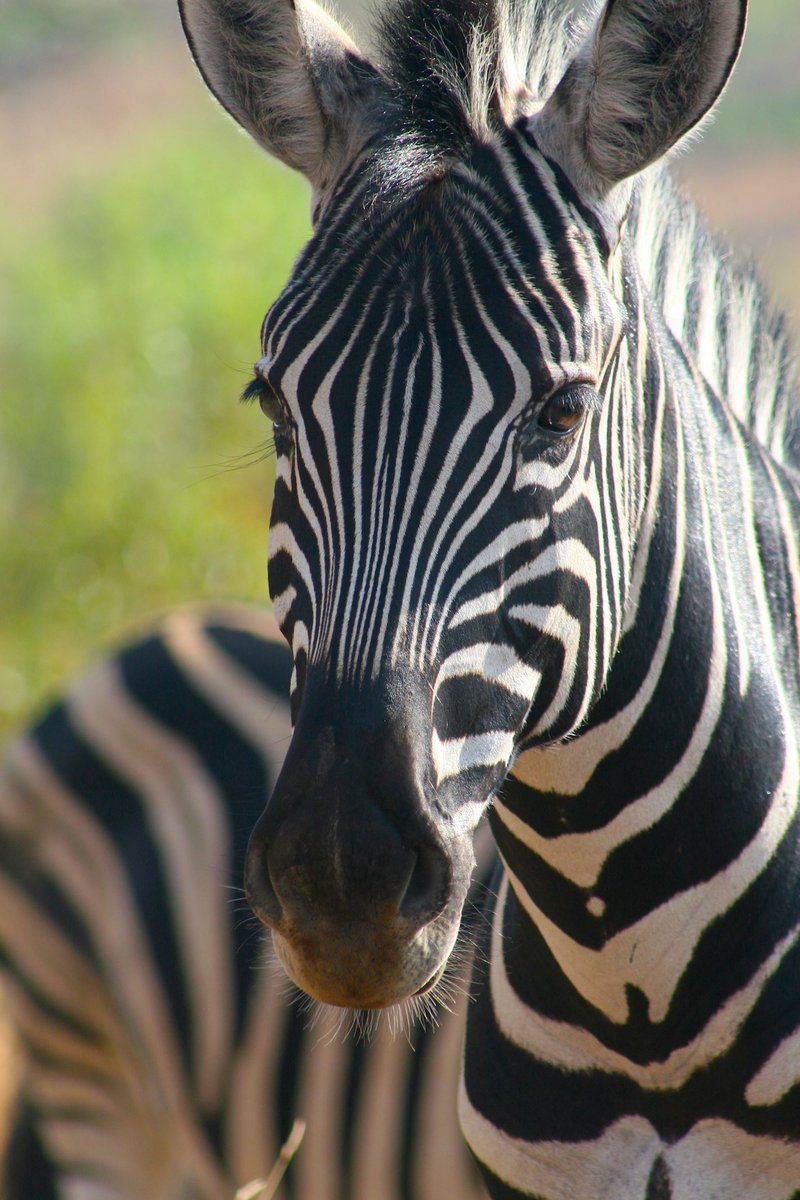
x=646 y=74
x=288 y=74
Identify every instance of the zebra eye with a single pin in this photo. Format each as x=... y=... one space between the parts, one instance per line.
x=260 y=389
x=271 y=406
x=564 y=412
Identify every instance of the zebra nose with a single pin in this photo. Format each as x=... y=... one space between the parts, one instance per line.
x=258 y=887
x=427 y=888
x=291 y=881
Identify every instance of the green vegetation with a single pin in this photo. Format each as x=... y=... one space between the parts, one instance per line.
x=131 y=322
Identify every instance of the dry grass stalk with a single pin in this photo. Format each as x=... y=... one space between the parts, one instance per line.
x=265 y=1189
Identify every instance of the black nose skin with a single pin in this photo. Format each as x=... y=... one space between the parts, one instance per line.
x=346 y=868
x=257 y=882
x=349 y=834
x=428 y=886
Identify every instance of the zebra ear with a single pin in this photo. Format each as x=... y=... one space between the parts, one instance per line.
x=287 y=73
x=646 y=74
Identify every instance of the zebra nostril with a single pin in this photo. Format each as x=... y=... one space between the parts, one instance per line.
x=258 y=886
x=427 y=888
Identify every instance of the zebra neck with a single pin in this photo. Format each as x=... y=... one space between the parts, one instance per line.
x=647 y=858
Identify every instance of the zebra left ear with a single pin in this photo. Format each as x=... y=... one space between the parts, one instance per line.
x=647 y=74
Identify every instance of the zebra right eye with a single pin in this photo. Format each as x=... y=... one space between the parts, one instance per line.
x=564 y=412
x=261 y=389
x=271 y=406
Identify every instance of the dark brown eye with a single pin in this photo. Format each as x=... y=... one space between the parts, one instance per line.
x=564 y=412
x=271 y=406
x=261 y=390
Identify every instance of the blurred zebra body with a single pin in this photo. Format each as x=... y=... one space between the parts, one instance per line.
x=162 y=1059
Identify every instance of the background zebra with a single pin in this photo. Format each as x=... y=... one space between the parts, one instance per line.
x=161 y=1058
x=537 y=511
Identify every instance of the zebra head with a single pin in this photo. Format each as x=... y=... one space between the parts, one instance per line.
x=461 y=466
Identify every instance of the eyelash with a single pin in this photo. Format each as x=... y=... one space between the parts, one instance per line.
x=261 y=390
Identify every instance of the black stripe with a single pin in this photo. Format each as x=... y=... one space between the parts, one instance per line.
x=119 y=811
x=156 y=682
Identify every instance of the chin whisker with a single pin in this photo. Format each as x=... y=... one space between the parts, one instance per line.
x=333 y=1024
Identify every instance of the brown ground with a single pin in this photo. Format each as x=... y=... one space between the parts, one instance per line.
x=62 y=122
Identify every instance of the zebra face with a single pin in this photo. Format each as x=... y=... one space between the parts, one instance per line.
x=437 y=371
x=461 y=461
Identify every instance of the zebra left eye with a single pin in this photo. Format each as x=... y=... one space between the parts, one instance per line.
x=564 y=412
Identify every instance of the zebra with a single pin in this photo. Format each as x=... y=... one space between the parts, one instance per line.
x=161 y=1059
x=534 y=546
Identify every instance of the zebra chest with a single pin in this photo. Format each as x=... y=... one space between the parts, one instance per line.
x=715 y=1160
x=583 y=1079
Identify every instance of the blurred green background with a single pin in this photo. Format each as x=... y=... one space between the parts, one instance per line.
x=142 y=241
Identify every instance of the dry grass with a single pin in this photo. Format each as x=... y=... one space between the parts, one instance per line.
x=265 y=1189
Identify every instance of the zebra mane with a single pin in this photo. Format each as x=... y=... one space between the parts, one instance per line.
x=716 y=306
x=459 y=70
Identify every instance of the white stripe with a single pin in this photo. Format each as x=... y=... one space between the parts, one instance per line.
x=617 y=1164
x=73 y=851
x=573 y=1048
x=566 y=768
x=778 y=1075
x=654 y=952
x=498 y=664
x=454 y=755
x=249 y=1121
